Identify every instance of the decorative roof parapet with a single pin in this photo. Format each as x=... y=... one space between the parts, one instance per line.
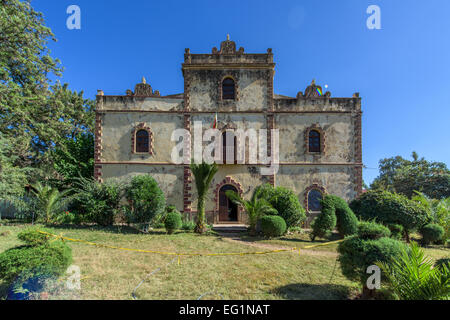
x=313 y=91
x=228 y=55
x=143 y=89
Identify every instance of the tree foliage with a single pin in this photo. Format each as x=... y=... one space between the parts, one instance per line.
x=390 y=208
x=404 y=176
x=36 y=115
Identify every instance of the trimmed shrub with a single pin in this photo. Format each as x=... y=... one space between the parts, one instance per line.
x=285 y=202
x=33 y=237
x=396 y=230
x=188 y=226
x=147 y=199
x=371 y=231
x=335 y=213
x=273 y=226
x=390 y=208
x=356 y=254
x=324 y=223
x=431 y=233
x=172 y=221
x=97 y=202
x=49 y=259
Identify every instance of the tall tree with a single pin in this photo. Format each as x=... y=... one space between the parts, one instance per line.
x=405 y=176
x=35 y=115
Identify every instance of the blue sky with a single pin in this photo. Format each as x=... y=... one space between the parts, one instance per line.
x=401 y=71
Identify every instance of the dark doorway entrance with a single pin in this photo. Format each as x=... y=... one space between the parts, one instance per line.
x=228 y=211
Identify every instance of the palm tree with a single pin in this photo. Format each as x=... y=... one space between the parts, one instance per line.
x=48 y=200
x=203 y=175
x=413 y=276
x=255 y=207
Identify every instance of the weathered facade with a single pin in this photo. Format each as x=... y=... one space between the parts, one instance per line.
x=320 y=136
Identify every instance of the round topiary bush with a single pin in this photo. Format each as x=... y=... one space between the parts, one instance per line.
x=356 y=254
x=285 y=202
x=52 y=258
x=172 y=221
x=368 y=230
x=390 y=208
x=273 y=226
x=396 y=230
x=431 y=233
x=335 y=213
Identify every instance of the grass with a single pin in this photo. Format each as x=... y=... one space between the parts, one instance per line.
x=113 y=274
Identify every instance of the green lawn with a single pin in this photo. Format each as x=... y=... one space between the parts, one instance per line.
x=113 y=274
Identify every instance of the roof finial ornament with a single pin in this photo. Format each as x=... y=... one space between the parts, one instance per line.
x=228 y=37
x=313 y=82
x=143 y=80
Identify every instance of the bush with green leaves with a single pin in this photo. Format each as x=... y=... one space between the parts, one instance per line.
x=335 y=213
x=396 y=230
x=97 y=202
x=431 y=233
x=146 y=198
x=273 y=226
x=356 y=254
x=439 y=211
x=32 y=236
x=285 y=202
x=369 y=230
x=173 y=221
x=40 y=258
x=390 y=208
x=412 y=276
x=255 y=208
x=188 y=226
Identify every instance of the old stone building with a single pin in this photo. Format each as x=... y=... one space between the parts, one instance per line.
x=320 y=136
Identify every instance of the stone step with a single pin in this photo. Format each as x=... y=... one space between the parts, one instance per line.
x=232 y=228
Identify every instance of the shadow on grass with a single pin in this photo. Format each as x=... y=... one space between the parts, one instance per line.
x=305 y=291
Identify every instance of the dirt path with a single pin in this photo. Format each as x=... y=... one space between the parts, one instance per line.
x=235 y=239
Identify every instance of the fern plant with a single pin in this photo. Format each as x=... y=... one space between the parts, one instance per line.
x=255 y=208
x=413 y=277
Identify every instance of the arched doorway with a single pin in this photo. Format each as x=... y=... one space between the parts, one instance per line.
x=228 y=211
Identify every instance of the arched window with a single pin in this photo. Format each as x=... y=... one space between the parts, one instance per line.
x=228 y=89
x=314 y=198
x=314 y=141
x=228 y=148
x=142 y=141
